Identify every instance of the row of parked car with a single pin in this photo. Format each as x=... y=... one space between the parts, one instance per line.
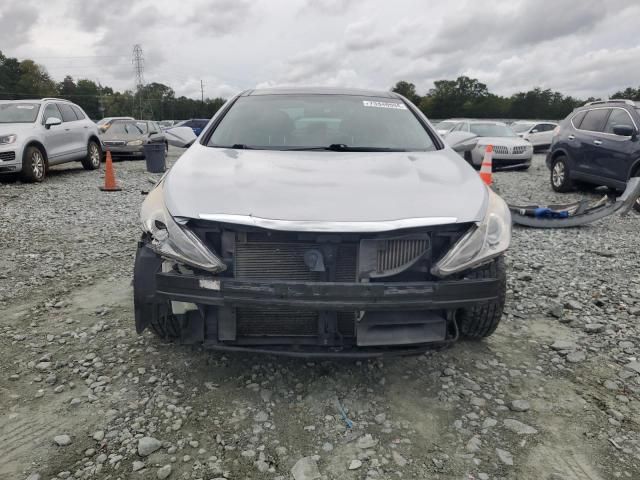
x=596 y=144
x=513 y=144
x=37 y=134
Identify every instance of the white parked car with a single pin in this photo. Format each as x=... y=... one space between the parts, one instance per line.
x=539 y=134
x=509 y=150
x=36 y=134
x=446 y=126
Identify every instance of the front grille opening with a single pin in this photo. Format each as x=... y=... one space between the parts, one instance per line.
x=277 y=321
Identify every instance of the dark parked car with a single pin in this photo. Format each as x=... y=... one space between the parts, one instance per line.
x=326 y=220
x=195 y=124
x=596 y=144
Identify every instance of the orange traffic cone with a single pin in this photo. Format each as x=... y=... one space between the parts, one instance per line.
x=485 y=168
x=110 y=184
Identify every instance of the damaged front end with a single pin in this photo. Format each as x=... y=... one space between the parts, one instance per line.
x=232 y=286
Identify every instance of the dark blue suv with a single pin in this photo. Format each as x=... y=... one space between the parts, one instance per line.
x=597 y=144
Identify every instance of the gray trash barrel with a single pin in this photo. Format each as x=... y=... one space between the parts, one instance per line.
x=154 y=154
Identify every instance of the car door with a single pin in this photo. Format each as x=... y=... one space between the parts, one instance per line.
x=84 y=125
x=588 y=137
x=55 y=137
x=74 y=145
x=612 y=154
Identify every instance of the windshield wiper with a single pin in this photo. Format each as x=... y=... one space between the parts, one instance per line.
x=342 y=147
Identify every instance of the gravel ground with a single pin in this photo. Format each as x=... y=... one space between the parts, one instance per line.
x=554 y=394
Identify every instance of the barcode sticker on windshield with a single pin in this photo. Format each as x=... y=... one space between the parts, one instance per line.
x=397 y=106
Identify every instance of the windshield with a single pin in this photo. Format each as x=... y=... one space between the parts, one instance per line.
x=307 y=122
x=19 y=112
x=491 y=130
x=446 y=125
x=521 y=127
x=128 y=128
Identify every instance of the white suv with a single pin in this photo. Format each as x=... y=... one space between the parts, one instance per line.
x=36 y=134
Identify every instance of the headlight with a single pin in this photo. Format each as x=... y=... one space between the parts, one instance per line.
x=486 y=240
x=134 y=143
x=8 y=139
x=171 y=240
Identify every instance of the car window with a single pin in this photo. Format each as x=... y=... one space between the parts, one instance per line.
x=577 y=118
x=491 y=130
x=78 y=112
x=127 y=128
x=51 y=111
x=19 y=112
x=617 y=117
x=67 y=112
x=521 y=127
x=318 y=121
x=594 y=120
x=201 y=123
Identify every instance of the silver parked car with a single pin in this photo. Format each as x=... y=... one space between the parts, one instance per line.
x=509 y=150
x=37 y=134
x=539 y=134
x=331 y=221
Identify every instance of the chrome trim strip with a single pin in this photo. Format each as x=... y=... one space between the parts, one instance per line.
x=321 y=226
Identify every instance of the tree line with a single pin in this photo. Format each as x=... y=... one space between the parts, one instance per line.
x=22 y=79
x=468 y=97
x=462 y=97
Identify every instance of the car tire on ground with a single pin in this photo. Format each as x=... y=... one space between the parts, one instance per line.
x=165 y=324
x=560 y=175
x=94 y=156
x=480 y=321
x=34 y=165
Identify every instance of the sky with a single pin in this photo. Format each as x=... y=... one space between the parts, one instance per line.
x=578 y=47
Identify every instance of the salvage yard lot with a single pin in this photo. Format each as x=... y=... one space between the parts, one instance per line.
x=554 y=394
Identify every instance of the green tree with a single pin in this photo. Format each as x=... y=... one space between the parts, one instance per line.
x=407 y=90
x=34 y=81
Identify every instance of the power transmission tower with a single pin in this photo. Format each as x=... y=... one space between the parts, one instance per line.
x=138 y=67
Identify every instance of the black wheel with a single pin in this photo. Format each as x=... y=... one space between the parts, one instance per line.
x=34 y=165
x=636 y=206
x=561 y=175
x=481 y=320
x=165 y=324
x=94 y=156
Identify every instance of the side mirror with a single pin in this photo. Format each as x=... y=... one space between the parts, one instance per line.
x=181 y=137
x=461 y=141
x=51 y=121
x=624 y=130
x=153 y=133
x=535 y=130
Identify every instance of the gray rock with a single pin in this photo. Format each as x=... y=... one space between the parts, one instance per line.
x=355 y=464
x=563 y=345
x=366 y=441
x=474 y=444
x=519 y=406
x=489 y=422
x=137 y=465
x=518 y=427
x=573 y=305
x=261 y=417
x=594 y=327
x=34 y=476
x=576 y=357
x=398 y=459
x=305 y=469
x=164 y=472
x=98 y=436
x=633 y=366
x=148 y=445
x=504 y=456
x=62 y=440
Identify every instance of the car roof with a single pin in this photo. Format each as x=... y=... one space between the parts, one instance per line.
x=487 y=122
x=319 y=91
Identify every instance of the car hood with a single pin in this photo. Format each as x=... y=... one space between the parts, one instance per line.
x=319 y=186
x=507 y=141
x=16 y=128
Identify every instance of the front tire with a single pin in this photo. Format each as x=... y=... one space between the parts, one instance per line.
x=94 y=156
x=560 y=176
x=34 y=165
x=480 y=321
